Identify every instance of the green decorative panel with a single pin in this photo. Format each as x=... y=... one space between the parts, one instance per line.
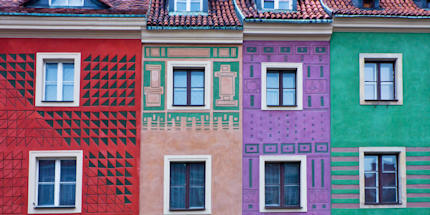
x=226 y=85
x=154 y=89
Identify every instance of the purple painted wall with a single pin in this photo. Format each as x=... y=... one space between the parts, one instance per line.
x=304 y=132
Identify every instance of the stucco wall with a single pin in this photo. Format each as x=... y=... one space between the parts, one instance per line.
x=355 y=125
x=303 y=132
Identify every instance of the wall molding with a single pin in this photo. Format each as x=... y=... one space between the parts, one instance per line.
x=380 y=24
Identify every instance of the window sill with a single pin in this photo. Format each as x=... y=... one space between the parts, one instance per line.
x=185 y=210
x=381 y=102
x=57 y=101
x=54 y=207
x=382 y=204
x=283 y=208
x=188 y=13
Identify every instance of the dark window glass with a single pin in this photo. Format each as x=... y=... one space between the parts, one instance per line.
x=281 y=88
x=427 y=4
x=188 y=87
x=282 y=185
x=368 y=3
x=187 y=186
x=381 y=179
x=379 y=81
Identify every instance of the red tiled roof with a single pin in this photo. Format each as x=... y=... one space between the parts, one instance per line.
x=221 y=14
x=306 y=9
x=114 y=7
x=387 y=8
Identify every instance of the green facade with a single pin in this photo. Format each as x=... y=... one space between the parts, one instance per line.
x=354 y=125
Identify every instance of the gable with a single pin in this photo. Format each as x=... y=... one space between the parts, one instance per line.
x=87 y=4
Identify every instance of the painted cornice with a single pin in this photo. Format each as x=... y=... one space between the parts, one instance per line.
x=380 y=24
x=288 y=32
x=194 y=36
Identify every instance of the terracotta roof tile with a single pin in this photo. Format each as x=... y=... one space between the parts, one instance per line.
x=114 y=7
x=221 y=14
x=387 y=8
x=306 y=9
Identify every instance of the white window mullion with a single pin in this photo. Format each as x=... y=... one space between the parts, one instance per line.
x=60 y=82
x=276 y=4
x=188 y=5
x=57 y=183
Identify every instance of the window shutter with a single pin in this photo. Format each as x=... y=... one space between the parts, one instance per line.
x=205 y=5
x=171 y=5
x=258 y=4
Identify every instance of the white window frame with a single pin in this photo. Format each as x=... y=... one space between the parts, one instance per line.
x=398 y=58
x=208 y=182
x=67 y=4
x=188 y=6
x=299 y=84
x=303 y=181
x=42 y=58
x=276 y=6
x=34 y=156
x=171 y=65
x=401 y=151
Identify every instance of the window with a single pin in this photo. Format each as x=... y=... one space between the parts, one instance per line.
x=55 y=182
x=57 y=79
x=67 y=3
x=187 y=85
x=368 y=4
x=187 y=184
x=382 y=177
x=381 y=79
x=278 y=4
x=281 y=86
x=427 y=4
x=283 y=184
x=188 y=5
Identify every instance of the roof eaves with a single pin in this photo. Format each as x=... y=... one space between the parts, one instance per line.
x=193 y=28
x=383 y=16
x=69 y=14
x=291 y=21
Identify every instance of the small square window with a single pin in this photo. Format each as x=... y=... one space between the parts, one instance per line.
x=66 y=3
x=188 y=5
x=368 y=4
x=187 y=85
x=277 y=4
x=382 y=177
x=55 y=182
x=283 y=184
x=187 y=184
x=381 y=79
x=57 y=81
x=282 y=86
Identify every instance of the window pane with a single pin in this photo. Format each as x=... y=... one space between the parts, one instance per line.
x=292 y=174
x=387 y=91
x=289 y=80
x=197 y=79
x=181 y=6
x=291 y=195
x=68 y=92
x=370 y=179
x=389 y=163
x=67 y=194
x=197 y=174
x=370 y=90
x=272 y=174
x=289 y=97
x=179 y=79
x=197 y=197
x=387 y=72
x=59 y=2
x=75 y=2
x=178 y=173
x=68 y=171
x=177 y=197
x=370 y=72
x=389 y=195
x=180 y=96
x=269 y=4
x=272 y=196
x=195 y=6
x=45 y=194
x=370 y=163
x=272 y=97
x=388 y=180
x=284 y=5
x=46 y=170
x=197 y=96
x=272 y=80
x=51 y=91
x=68 y=71
x=51 y=72
x=370 y=195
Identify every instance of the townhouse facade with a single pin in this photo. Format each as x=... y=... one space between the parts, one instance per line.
x=220 y=107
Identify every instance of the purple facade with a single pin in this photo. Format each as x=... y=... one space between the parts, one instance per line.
x=288 y=132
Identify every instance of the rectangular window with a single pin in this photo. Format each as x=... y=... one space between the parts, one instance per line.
x=277 y=4
x=187 y=186
x=188 y=87
x=68 y=3
x=55 y=182
x=379 y=80
x=188 y=5
x=427 y=4
x=368 y=4
x=282 y=188
x=281 y=88
x=381 y=179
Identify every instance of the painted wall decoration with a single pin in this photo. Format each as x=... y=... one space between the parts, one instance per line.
x=105 y=126
x=283 y=132
x=354 y=125
x=215 y=131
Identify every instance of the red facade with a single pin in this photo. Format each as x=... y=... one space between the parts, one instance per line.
x=105 y=125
